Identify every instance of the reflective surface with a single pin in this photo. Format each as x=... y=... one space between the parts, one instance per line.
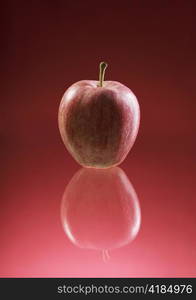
x=97 y=239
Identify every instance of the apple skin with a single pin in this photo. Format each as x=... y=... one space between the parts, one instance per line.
x=98 y=124
x=100 y=209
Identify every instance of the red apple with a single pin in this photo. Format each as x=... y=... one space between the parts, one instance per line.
x=100 y=209
x=99 y=121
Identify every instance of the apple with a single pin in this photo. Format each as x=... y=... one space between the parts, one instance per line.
x=99 y=121
x=100 y=209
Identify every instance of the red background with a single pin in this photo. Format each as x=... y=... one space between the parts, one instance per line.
x=47 y=46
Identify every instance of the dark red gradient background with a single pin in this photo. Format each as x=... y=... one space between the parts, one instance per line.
x=45 y=47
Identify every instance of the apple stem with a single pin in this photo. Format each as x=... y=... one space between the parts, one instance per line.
x=102 y=68
x=105 y=255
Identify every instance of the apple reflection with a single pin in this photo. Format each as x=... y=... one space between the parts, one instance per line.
x=100 y=209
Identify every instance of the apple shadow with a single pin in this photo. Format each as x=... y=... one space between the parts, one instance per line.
x=100 y=209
